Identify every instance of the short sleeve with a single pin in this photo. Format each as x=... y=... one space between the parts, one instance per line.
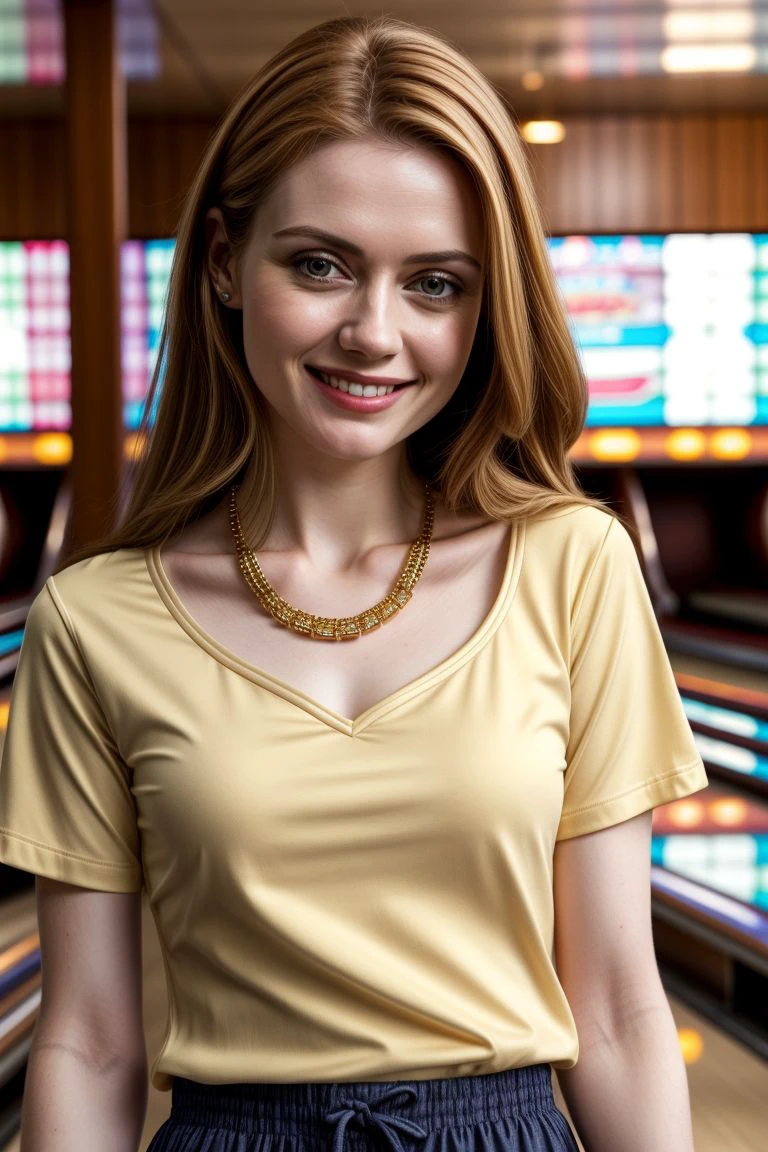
x=66 y=808
x=630 y=746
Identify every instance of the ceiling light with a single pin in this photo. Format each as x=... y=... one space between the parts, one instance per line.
x=532 y=80
x=720 y=24
x=543 y=131
x=709 y=58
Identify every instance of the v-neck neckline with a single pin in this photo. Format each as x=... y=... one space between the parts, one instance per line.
x=280 y=687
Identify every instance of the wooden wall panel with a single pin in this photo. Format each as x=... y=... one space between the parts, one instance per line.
x=639 y=176
x=695 y=171
x=574 y=208
x=163 y=160
x=759 y=216
x=662 y=209
x=608 y=176
x=544 y=169
x=732 y=162
x=660 y=173
x=32 y=188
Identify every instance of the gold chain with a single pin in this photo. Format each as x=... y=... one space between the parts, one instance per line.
x=330 y=627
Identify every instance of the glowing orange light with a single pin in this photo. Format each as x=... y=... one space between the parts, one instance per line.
x=691 y=1044
x=615 y=444
x=730 y=443
x=4 y=715
x=686 y=813
x=532 y=80
x=730 y=812
x=685 y=444
x=52 y=448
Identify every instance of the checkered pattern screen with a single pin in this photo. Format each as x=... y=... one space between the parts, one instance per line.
x=35 y=330
x=32 y=41
x=34 y=336
x=146 y=266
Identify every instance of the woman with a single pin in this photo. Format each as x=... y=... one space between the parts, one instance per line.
x=395 y=881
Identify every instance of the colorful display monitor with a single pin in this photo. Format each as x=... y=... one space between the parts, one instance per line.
x=35 y=359
x=34 y=336
x=672 y=330
x=146 y=266
x=32 y=41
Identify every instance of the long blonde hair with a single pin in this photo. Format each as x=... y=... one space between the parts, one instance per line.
x=500 y=445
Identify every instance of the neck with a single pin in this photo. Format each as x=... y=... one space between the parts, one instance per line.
x=336 y=512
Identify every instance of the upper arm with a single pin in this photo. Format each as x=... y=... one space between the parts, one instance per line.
x=91 y=969
x=604 y=952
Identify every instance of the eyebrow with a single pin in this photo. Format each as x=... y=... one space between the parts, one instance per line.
x=450 y=254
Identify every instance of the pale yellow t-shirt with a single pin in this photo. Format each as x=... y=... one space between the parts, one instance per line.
x=339 y=899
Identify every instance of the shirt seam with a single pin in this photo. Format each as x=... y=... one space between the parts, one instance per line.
x=63 y=851
x=70 y=627
x=579 y=606
x=635 y=788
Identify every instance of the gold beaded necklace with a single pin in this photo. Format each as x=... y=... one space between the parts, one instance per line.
x=330 y=627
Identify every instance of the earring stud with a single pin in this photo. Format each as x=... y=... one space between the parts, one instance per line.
x=224 y=297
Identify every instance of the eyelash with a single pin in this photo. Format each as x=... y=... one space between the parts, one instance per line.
x=441 y=300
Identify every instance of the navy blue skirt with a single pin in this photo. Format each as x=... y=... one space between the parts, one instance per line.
x=509 y=1111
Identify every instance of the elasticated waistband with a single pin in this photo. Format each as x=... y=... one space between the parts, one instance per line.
x=410 y=1106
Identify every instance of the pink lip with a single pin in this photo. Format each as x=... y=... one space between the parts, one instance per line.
x=355 y=403
x=357 y=377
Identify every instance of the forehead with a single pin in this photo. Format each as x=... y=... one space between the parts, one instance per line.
x=375 y=192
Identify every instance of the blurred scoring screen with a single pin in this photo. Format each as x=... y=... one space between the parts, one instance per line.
x=672 y=330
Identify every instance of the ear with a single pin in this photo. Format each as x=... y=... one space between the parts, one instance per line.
x=220 y=260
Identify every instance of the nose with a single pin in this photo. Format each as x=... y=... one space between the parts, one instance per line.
x=374 y=328
x=366 y=1114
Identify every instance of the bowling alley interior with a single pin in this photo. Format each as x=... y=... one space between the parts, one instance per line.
x=646 y=131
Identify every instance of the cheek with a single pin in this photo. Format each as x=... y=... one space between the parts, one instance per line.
x=277 y=323
x=445 y=347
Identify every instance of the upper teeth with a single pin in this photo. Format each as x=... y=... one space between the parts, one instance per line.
x=354 y=388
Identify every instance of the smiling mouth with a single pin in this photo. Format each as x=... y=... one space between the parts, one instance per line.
x=352 y=387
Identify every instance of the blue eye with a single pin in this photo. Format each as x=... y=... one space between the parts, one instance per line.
x=435 y=277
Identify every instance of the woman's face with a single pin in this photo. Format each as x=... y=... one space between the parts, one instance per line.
x=392 y=291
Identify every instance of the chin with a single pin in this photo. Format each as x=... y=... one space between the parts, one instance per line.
x=352 y=448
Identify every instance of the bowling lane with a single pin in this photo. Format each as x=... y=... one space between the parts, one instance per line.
x=710 y=861
x=730 y=726
x=720 y=839
x=20 y=982
x=726 y=675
